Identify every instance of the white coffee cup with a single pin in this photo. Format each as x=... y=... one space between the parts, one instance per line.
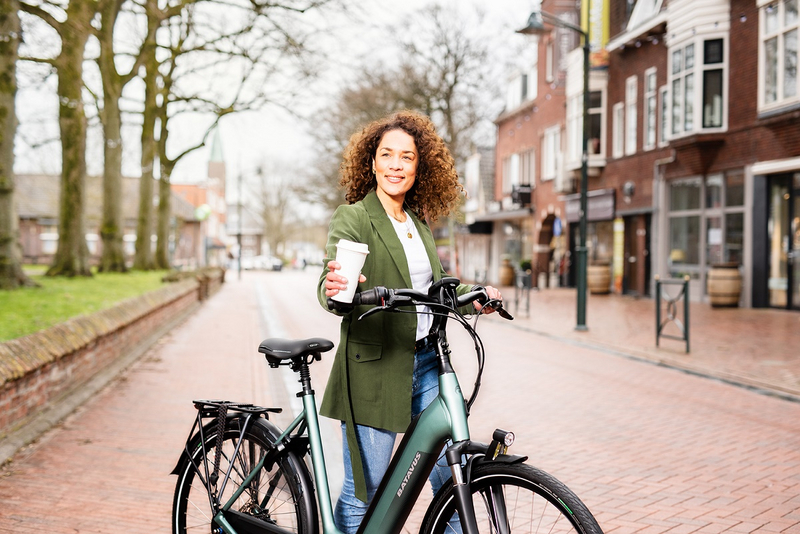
x=350 y=256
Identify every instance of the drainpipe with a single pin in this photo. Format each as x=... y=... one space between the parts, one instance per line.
x=657 y=259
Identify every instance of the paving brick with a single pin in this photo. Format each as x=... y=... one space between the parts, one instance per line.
x=650 y=449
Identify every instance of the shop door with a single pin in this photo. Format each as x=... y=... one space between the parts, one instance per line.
x=784 y=247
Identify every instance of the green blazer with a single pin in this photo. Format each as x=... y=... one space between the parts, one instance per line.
x=370 y=381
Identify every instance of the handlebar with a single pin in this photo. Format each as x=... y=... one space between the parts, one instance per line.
x=443 y=302
x=389 y=299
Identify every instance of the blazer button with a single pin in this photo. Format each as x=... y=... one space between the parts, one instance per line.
x=358 y=356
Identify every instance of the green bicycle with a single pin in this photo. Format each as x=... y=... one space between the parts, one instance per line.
x=240 y=474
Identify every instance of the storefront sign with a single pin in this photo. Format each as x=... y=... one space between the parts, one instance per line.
x=600 y=206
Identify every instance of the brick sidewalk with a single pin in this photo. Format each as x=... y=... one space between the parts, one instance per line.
x=106 y=467
x=757 y=348
x=649 y=450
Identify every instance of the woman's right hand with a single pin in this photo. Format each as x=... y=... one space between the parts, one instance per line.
x=335 y=282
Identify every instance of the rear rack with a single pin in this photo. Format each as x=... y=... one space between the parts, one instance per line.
x=212 y=416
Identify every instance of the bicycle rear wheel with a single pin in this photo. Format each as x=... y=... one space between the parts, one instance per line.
x=280 y=494
x=513 y=498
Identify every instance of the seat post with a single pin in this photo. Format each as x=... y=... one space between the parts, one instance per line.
x=300 y=365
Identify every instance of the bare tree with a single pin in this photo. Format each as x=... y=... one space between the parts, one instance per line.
x=215 y=67
x=11 y=274
x=374 y=95
x=447 y=67
x=443 y=72
x=277 y=202
x=111 y=227
x=143 y=258
x=73 y=26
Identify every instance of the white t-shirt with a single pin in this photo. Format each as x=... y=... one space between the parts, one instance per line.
x=419 y=266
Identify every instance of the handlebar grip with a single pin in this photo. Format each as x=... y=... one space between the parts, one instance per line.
x=372 y=296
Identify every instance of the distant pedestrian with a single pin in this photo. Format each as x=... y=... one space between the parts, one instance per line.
x=397 y=173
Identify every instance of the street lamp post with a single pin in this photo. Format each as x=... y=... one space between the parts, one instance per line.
x=536 y=26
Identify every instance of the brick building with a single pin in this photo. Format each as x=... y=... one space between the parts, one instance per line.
x=694 y=152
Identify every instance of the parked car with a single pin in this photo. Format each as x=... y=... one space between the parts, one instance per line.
x=269 y=263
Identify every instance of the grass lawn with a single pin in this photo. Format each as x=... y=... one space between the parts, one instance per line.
x=26 y=310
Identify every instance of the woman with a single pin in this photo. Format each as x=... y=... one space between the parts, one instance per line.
x=397 y=172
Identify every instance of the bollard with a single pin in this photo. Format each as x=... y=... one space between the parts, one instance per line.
x=672 y=308
x=522 y=291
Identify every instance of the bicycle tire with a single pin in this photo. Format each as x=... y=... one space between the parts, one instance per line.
x=533 y=502
x=290 y=504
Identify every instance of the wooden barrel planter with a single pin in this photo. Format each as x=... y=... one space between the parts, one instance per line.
x=506 y=273
x=724 y=285
x=598 y=279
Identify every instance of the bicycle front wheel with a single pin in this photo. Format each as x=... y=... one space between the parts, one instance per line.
x=279 y=494
x=513 y=498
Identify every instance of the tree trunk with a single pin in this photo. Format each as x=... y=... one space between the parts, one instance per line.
x=144 y=225
x=164 y=212
x=112 y=225
x=72 y=255
x=11 y=275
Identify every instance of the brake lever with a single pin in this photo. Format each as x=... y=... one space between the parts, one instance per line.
x=371 y=311
x=497 y=305
x=504 y=314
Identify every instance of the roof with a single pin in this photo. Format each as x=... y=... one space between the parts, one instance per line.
x=216 y=147
x=37 y=196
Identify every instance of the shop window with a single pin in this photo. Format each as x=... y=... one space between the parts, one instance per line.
x=734 y=189
x=706 y=222
x=684 y=241
x=685 y=194
x=778 y=83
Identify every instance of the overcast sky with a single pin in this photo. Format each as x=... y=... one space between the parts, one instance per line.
x=249 y=139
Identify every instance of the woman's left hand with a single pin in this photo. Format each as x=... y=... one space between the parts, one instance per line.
x=494 y=294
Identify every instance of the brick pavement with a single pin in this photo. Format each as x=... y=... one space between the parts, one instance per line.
x=648 y=449
x=105 y=469
x=758 y=348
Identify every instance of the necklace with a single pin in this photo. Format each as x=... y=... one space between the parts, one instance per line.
x=407 y=223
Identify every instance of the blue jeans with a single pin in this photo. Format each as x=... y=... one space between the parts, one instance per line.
x=376 y=447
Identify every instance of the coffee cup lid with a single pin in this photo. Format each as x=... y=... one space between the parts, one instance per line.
x=352 y=245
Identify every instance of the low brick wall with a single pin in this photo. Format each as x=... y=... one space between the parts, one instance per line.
x=44 y=367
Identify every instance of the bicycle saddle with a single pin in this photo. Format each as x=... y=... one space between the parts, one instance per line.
x=280 y=350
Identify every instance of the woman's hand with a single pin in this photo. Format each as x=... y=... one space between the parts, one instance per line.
x=335 y=282
x=494 y=294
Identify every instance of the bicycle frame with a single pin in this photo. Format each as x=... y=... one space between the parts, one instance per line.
x=445 y=418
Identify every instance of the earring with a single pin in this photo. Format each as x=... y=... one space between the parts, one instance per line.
x=373 y=170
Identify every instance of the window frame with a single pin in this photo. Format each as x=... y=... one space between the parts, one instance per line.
x=781 y=30
x=663 y=116
x=631 y=114
x=650 y=119
x=617 y=129
x=551 y=152
x=687 y=85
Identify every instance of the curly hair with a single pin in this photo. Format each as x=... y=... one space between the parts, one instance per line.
x=436 y=190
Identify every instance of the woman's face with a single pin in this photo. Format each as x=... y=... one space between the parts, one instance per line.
x=396 y=164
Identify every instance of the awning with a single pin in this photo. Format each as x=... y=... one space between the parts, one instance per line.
x=508 y=215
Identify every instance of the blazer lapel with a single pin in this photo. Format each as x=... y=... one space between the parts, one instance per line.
x=383 y=226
